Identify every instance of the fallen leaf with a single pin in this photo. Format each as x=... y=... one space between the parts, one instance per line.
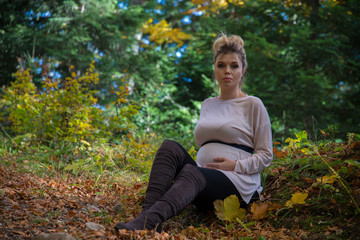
x=71 y=214
x=137 y=185
x=229 y=209
x=259 y=211
x=15 y=206
x=355 y=145
x=297 y=198
x=274 y=206
x=327 y=179
x=308 y=180
x=278 y=154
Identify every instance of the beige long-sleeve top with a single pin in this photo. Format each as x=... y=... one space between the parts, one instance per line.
x=242 y=121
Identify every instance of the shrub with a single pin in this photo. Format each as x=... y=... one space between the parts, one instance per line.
x=63 y=109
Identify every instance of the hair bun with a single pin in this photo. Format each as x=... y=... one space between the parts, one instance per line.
x=225 y=40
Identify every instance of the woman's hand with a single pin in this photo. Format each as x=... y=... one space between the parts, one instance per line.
x=222 y=164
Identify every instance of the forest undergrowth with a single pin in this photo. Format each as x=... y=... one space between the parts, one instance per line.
x=312 y=191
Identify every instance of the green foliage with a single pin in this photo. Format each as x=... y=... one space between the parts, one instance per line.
x=300 y=142
x=97 y=159
x=138 y=152
x=305 y=158
x=165 y=116
x=62 y=110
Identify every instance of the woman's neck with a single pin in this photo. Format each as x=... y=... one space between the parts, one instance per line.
x=225 y=95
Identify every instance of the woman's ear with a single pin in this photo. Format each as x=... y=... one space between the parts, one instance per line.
x=244 y=70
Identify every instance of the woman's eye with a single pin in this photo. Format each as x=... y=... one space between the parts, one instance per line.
x=220 y=65
x=235 y=66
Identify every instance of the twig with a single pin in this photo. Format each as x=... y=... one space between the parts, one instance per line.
x=2 y=128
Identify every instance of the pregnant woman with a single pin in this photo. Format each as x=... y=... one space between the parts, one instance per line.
x=234 y=136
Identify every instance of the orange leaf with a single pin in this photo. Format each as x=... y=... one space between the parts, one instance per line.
x=308 y=180
x=355 y=145
x=16 y=206
x=71 y=214
x=278 y=154
x=259 y=211
x=138 y=185
x=274 y=206
x=324 y=133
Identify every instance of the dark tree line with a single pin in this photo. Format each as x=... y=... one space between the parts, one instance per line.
x=303 y=55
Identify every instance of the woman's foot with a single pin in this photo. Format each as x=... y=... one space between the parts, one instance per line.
x=142 y=222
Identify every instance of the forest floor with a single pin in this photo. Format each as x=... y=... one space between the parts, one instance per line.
x=34 y=202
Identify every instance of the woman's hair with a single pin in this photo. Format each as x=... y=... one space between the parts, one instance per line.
x=231 y=44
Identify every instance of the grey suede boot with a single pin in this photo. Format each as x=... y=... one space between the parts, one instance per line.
x=187 y=185
x=168 y=161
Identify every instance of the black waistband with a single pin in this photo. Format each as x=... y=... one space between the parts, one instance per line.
x=239 y=146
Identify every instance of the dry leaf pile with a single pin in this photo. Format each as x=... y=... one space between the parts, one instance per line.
x=31 y=205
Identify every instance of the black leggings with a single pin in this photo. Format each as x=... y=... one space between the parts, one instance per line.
x=218 y=186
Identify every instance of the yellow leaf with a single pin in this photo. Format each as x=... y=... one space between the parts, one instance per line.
x=297 y=198
x=306 y=151
x=289 y=204
x=229 y=209
x=259 y=211
x=85 y=142
x=327 y=179
x=219 y=209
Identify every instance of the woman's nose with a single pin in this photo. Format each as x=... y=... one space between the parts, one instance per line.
x=227 y=69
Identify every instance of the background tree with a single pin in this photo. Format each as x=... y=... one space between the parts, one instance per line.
x=303 y=62
x=299 y=56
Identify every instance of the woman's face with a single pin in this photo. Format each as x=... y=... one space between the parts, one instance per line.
x=229 y=71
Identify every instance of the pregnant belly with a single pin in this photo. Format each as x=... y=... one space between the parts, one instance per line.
x=208 y=152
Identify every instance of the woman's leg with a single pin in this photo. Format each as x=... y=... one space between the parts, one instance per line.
x=200 y=186
x=218 y=187
x=168 y=162
x=187 y=185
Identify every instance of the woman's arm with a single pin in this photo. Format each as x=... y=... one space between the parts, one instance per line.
x=263 y=153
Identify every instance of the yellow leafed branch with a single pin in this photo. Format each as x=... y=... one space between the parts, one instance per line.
x=161 y=32
x=209 y=7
